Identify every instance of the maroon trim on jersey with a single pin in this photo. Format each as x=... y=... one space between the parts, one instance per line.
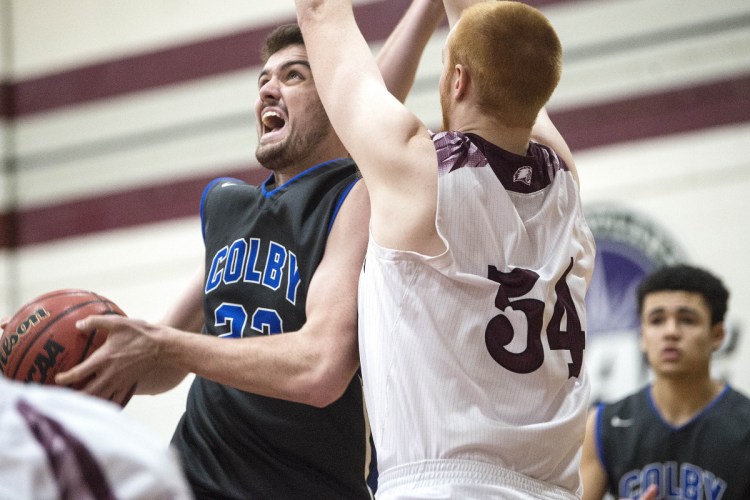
x=76 y=471
x=520 y=174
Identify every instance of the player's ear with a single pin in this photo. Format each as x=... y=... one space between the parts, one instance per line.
x=717 y=333
x=460 y=81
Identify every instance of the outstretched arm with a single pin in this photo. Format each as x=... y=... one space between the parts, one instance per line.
x=391 y=146
x=313 y=365
x=399 y=57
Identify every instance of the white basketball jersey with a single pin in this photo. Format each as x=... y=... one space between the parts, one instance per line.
x=477 y=354
x=58 y=443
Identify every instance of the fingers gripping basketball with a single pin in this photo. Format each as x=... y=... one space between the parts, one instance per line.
x=41 y=338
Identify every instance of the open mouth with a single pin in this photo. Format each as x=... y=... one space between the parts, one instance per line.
x=272 y=122
x=670 y=354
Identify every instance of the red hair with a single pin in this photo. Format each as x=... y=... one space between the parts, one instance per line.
x=513 y=57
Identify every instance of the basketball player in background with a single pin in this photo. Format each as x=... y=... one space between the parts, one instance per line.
x=57 y=443
x=280 y=258
x=472 y=324
x=685 y=432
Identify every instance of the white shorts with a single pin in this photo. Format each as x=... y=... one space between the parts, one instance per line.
x=464 y=479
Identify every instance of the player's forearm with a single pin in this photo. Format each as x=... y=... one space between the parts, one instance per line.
x=160 y=379
x=287 y=366
x=399 y=57
x=454 y=8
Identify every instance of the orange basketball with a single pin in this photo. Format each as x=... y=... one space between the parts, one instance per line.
x=41 y=339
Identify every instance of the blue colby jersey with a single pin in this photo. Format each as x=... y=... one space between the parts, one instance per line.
x=705 y=458
x=263 y=245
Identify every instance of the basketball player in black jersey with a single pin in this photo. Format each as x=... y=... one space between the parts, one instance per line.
x=276 y=409
x=685 y=432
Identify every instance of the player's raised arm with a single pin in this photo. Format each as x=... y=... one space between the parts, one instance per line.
x=391 y=146
x=453 y=9
x=398 y=58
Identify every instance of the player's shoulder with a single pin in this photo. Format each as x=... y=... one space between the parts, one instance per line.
x=738 y=400
x=625 y=407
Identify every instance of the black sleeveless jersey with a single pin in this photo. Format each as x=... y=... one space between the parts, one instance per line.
x=706 y=458
x=262 y=248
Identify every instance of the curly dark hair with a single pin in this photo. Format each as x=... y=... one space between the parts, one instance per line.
x=279 y=38
x=683 y=277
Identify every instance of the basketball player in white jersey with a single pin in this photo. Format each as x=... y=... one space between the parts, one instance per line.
x=471 y=307
x=57 y=443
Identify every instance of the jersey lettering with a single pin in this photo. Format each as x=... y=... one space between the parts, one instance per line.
x=240 y=261
x=294 y=279
x=235 y=261
x=500 y=331
x=674 y=481
x=252 y=275
x=274 y=266
x=573 y=339
x=234 y=317
x=266 y=321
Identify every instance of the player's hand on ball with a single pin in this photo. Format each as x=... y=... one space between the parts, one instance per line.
x=129 y=353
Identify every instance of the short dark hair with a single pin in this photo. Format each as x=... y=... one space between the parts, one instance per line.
x=279 y=38
x=683 y=277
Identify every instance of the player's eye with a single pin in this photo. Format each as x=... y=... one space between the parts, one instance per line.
x=688 y=320
x=655 y=320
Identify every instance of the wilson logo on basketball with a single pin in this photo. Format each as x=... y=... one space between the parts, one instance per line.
x=43 y=362
x=23 y=328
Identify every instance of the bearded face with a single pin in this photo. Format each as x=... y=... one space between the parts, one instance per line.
x=292 y=124
x=294 y=138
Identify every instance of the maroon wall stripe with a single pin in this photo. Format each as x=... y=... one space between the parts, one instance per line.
x=171 y=66
x=674 y=111
x=714 y=104
x=7 y=230
x=122 y=209
x=5 y=96
x=175 y=65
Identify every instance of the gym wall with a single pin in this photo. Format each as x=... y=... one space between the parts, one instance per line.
x=114 y=115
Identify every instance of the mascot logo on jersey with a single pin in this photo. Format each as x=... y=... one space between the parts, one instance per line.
x=523 y=174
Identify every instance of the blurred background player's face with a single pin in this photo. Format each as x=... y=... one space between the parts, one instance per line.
x=676 y=333
x=290 y=117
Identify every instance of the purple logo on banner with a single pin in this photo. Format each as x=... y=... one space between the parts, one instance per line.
x=628 y=246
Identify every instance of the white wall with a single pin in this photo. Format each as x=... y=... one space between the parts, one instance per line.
x=694 y=183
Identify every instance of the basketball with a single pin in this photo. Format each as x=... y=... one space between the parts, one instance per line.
x=41 y=339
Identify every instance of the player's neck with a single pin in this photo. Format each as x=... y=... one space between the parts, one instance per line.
x=322 y=154
x=513 y=139
x=679 y=399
